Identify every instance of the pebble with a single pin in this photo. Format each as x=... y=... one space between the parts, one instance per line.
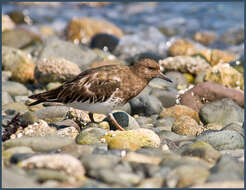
x=222 y=112
x=178 y=111
x=124 y=119
x=145 y=104
x=6 y=98
x=184 y=176
x=90 y=136
x=54 y=69
x=104 y=41
x=14 y=108
x=82 y=56
x=206 y=92
x=185 y=125
x=222 y=140
x=90 y=27
x=14 y=88
x=225 y=75
x=132 y=139
x=39 y=144
x=185 y=64
x=202 y=150
x=66 y=163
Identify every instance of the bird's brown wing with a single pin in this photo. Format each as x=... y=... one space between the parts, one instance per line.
x=83 y=88
x=88 y=89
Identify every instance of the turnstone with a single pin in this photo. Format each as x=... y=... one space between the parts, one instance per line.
x=102 y=89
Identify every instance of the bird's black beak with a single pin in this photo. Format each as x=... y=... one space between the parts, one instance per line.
x=164 y=77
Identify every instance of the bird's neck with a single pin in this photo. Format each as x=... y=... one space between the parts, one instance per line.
x=138 y=72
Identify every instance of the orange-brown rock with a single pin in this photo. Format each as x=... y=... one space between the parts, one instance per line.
x=82 y=29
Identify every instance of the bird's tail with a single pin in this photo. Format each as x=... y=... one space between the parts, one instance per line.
x=49 y=96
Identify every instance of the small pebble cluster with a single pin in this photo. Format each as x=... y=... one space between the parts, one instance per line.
x=189 y=133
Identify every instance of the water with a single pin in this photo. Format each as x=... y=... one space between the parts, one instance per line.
x=185 y=17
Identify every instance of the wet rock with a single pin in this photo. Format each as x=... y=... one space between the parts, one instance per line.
x=166 y=96
x=82 y=29
x=14 y=108
x=39 y=144
x=225 y=75
x=184 y=64
x=124 y=119
x=145 y=104
x=206 y=92
x=222 y=140
x=82 y=56
x=132 y=139
x=55 y=70
x=184 y=176
x=205 y=37
x=6 y=98
x=19 y=63
x=147 y=40
x=235 y=126
x=90 y=136
x=18 y=157
x=7 y=23
x=20 y=38
x=185 y=125
x=63 y=162
x=226 y=169
x=104 y=41
x=221 y=112
x=202 y=150
x=178 y=111
x=15 y=88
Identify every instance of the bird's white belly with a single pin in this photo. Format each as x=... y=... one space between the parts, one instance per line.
x=104 y=107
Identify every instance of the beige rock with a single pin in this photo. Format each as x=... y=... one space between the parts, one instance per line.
x=64 y=162
x=178 y=111
x=225 y=75
x=185 y=64
x=141 y=158
x=55 y=70
x=185 y=125
x=82 y=29
x=19 y=63
x=221 y=184
x=154 y=182
x=132 y=139
x=205 y=37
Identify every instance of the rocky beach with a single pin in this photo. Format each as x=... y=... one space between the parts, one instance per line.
x=184 y=134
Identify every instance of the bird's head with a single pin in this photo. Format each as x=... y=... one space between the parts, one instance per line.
x=148 y=69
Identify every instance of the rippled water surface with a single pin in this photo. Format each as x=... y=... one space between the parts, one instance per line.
x=185 y=17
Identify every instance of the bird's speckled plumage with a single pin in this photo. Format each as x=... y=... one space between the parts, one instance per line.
x=104 y=88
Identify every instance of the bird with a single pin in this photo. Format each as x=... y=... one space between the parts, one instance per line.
x=104 y=88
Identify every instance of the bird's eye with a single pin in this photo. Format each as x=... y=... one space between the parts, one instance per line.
x=151 y=68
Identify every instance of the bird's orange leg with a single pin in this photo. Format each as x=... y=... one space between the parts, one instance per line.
x=115 y=122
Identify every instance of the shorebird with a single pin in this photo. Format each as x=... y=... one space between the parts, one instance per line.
x=103 y=89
